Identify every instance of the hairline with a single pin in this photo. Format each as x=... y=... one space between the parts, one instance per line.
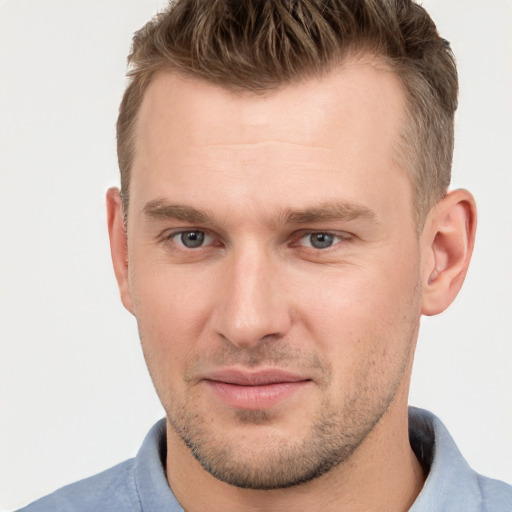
x=405 y=153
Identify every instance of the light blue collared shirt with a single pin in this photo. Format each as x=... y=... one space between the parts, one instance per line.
x=140 y=484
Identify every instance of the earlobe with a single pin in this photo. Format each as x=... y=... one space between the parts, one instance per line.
x=119 y=245
x=447 y=244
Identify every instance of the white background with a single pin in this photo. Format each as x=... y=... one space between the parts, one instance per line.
x=75 y=395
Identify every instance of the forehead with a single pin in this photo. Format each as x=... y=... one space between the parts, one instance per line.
x=337 y=131
x=357 y=90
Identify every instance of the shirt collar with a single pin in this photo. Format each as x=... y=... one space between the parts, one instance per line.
x=450 y=482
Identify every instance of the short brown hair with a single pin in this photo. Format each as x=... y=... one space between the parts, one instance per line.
x=259 y=45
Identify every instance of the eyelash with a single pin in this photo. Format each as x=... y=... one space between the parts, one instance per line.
x=338 y=238
x=170 y=237
x=295 y=241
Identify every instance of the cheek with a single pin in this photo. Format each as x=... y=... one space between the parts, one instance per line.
x=172 y=307
x=357 y=312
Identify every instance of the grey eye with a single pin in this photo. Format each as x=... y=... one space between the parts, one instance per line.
x=192 y=239
x=321 y=240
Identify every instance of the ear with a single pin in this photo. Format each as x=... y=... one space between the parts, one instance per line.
x=119 y=245
x=447 y=244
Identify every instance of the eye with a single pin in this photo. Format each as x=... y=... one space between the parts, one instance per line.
x=320 y=240
x=191 y=239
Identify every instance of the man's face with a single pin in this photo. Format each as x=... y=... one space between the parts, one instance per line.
x=274 y=269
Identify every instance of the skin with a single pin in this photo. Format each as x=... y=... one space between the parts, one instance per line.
x=264 y=178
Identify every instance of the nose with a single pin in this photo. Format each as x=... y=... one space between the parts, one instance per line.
x=252 y=304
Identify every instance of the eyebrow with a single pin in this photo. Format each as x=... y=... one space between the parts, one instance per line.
x=330 y=211
x=325 y=212
x=160 y=209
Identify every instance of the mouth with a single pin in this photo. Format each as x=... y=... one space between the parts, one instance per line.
x=254 y=390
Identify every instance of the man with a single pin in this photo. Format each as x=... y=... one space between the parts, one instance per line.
x=284 y=220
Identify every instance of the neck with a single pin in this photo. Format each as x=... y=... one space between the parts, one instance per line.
x=382 y=474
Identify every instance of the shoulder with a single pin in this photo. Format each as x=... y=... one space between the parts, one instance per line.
x=451 y=483
x=112 y=490
x=133 y=486
x=496 y=495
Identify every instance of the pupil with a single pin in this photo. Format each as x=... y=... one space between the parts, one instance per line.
x=192 y=238
x=321 y=240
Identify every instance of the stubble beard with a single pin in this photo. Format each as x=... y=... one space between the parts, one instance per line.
x=275 y=461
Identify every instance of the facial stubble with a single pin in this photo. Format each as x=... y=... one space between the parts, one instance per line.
x=275 y=461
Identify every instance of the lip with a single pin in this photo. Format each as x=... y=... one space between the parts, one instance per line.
x=254 y=390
